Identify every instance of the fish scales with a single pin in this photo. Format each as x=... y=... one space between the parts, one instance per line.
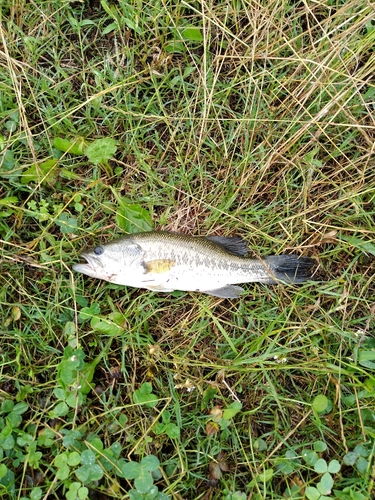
x=163 y=261
x=201 y=258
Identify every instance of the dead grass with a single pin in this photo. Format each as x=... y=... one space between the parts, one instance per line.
x=262 y=126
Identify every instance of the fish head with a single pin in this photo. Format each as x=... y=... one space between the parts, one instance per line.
x=113 y=262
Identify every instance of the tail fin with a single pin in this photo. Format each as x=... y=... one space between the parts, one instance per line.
x=288 y=268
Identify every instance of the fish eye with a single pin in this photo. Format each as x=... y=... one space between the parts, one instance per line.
x=98 y=250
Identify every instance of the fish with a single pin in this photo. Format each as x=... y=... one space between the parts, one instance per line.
x=164 y=262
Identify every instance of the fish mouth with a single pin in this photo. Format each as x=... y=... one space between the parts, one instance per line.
x=90 y=268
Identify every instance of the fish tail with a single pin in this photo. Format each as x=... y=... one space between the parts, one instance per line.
x=288 y=268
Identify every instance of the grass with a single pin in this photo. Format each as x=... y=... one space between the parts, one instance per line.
x=232 y=118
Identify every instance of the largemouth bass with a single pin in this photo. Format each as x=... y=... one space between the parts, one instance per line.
x=164 y=262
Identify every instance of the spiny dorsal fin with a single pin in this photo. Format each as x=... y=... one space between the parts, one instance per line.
x=234 y=245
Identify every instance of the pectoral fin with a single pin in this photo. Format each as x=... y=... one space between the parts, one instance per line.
x=226 y=292
x=159 y=266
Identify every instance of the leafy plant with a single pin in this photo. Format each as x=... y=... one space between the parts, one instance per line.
x=327 y=470
x=77 y=146
x=132 y=217
x=167 y=427
x=16 y=446
x=142 y=473
x=322 y=404
x=249 y=119
x=44 y=172
x=144 y=396
x=358 y=458
x=101 y=150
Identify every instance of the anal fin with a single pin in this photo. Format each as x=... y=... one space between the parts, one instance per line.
x=225 y=292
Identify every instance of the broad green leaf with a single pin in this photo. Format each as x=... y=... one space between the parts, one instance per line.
x=362 y=465
x=14 y=420
x=83 y=474
x=88 y=457
x=25 y=439
x=143 y=395
x=63 y=472
x=5 y=431
x=134 y=495
x=320 y=466
x=334 y=466
x=362 y=451
x=67 y=224
x=103 y=325
x=130 y=470
x=20 y=408
x=83 y=493
x=146 y=388
x=320 y=446
x=118 y=318
x=101 y=150
x=116 y=449
x=312 y=493
x=265 y=476
x=61 y=459
x=172 y=431
x=166 y=416
x=238 y=495
x=74 y=399
x=361 y=244
x=326 y=484
x=7 y=443
x=175 y=47
x=75 y=147
x=9 y=169
x=143 y=482
x=366 y=359
x=61 y=409
x=133 y=218
x=3 y=470
x=192 y=33
x=150 y=463
x=96 y=442
x=10 y=200
x=86 y=313
x=96 y=472
x=310 y=457
x=73 y=489
x=208 y=395
x=46 y=437
x=160 y=428
x=44 y=172
x=89 y=473
x=7 y=406
x=232 y=410
x=71 y=438
x=74 y=458
x=320 y=403
x=34 y=459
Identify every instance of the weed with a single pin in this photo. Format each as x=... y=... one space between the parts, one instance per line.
x=241 y=118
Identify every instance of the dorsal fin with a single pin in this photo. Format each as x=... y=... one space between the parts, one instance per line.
x=234 y=245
